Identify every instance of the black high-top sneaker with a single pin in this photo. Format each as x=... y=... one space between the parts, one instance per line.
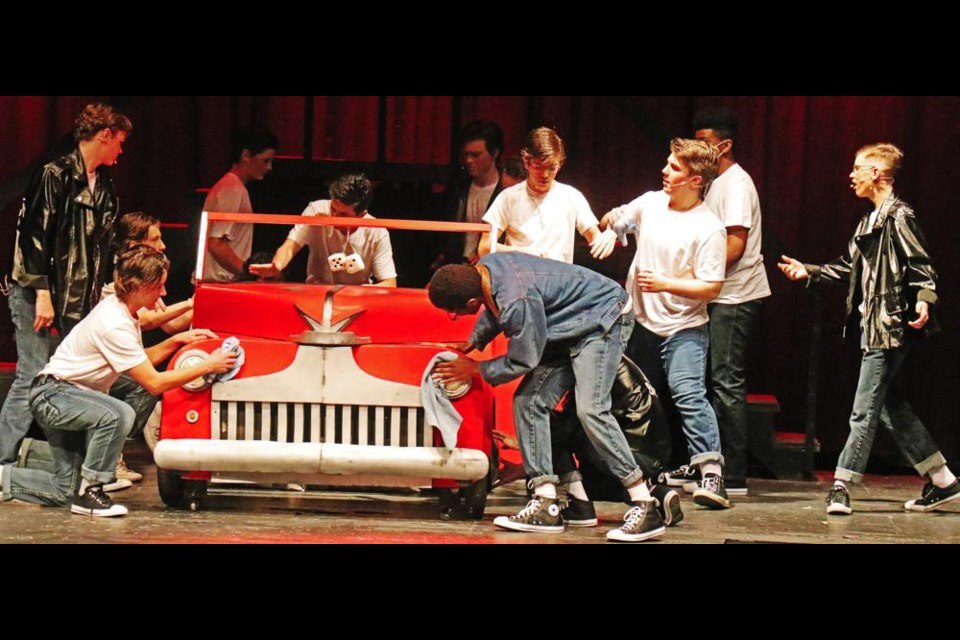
x=94 y=502
x=642 y=522
x=541 y=515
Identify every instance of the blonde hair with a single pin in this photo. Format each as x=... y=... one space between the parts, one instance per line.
x=698 y=156
x=889 y=154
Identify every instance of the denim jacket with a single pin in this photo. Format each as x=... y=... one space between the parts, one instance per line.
x=542 y=301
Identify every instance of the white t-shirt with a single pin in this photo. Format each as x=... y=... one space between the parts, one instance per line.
x=105 y=344
x=229 y=195
x=372 y=244
x=478 y=199
x=733 y=197
x=543 y=225
x=689 y=245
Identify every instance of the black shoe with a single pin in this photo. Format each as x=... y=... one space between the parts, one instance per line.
x=933 y=497
x=712 y=493
x=668 y=504
x=642 y=522
x=736 y=487
x=541 y=515
x=94 y=502
x=838 y=501
x=683 y=475
x=579 y=513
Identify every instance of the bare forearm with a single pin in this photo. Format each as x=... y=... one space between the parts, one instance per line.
x=693 y=289
x=161 y=352
x=222 y=253
x=150 y=319
x=285 y=254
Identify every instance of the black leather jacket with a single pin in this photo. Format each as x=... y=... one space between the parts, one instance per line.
x=896 y=252
x=63 y=237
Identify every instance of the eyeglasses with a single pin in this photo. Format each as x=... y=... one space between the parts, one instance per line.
x=860 y=167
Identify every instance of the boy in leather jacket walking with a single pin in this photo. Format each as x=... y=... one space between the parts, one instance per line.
x=892 y=286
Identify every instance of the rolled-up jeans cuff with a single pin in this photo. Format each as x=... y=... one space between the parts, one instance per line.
x=635 y=476
x=98 y=477
x=932 y=463
x=845 y=475
x=542 y=480
x=704 y=458
x=570 y=478
x=5 y=486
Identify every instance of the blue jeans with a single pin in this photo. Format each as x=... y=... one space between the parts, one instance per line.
x=684 y=359
x=86 y=430
x=125 y=389
x=881 y=399
x=590 y=371
x=730 y=329
x=33 y=352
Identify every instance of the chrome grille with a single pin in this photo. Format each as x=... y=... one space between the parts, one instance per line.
x=319 y=423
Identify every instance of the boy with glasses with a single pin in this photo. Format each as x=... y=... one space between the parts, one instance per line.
x=891 y=287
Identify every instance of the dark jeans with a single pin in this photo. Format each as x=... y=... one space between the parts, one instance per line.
x=730 y=328
x=881 y=399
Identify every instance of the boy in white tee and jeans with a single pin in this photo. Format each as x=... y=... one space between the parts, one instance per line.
x=678 y=268
x=70 y=400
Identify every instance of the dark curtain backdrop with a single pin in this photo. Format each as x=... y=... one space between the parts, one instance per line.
x=799 y=150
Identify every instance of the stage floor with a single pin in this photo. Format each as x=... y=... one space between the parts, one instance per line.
x=775 y=512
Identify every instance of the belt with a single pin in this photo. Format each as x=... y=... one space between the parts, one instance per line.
x=43 y=379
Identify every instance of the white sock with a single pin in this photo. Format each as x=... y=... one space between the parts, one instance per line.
x=711 y=467
x=942 y=477
x=840 y=483
x=546 y=491
x=84 y=483
x=639 y=492
x=576 y=490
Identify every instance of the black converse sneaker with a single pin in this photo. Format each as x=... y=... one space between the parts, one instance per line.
x=933 y=497
x=579 y=513
x=541 y=515
x=94 y=502
x=712 y=493
x=838 y=501
x=668 y=504
x=642 y=522
x=683 y=475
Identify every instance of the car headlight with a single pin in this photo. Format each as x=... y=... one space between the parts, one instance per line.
x=188 y=359
x=456 y=390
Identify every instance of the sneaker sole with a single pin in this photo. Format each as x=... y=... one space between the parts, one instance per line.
x=740 y=493
x=505 y=523
x=616 y=536
x=838 y=510
x=913 y=506
x=581 y=524
x=672 y=513
x=710 y=500
x=109 y=513
x=119 y=485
